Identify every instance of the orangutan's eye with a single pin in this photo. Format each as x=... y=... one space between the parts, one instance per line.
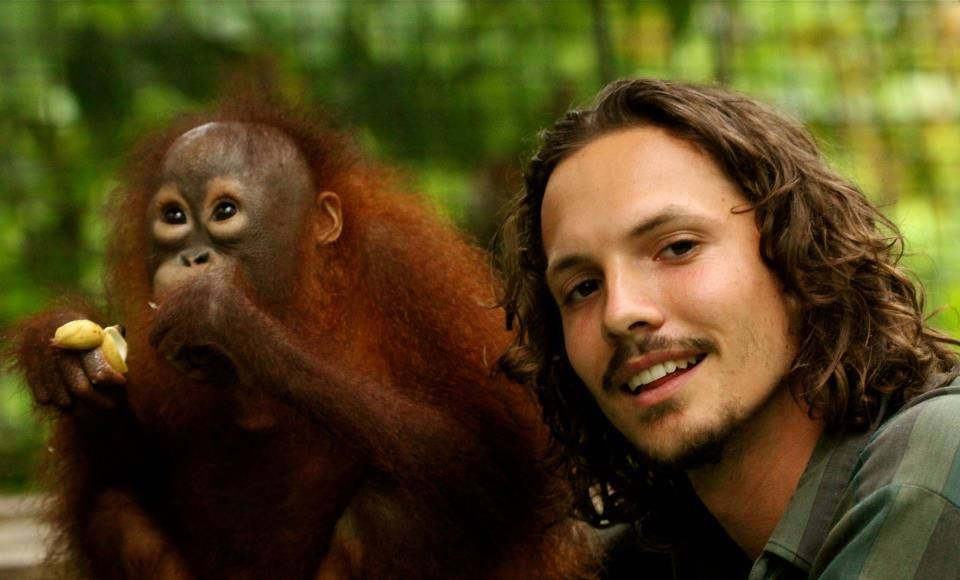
x=224 y=211
x=173 y=214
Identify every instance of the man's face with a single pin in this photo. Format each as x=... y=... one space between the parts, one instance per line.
x=670 y=317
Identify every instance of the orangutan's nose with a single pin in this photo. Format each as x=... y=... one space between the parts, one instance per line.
x=195 y=257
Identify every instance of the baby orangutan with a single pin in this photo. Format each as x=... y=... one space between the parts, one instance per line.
x=309 y=392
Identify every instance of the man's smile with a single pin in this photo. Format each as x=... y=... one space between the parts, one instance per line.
x=659 y=373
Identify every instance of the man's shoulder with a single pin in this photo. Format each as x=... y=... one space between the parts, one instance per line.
x=900 y=513
x=918 y=446
x=938 y=407
x=938 y=403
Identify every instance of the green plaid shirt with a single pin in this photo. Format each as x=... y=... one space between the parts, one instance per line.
x=885 y=504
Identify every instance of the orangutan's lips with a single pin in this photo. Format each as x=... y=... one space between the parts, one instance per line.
x=647 y=377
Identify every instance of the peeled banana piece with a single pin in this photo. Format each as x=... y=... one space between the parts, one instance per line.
x=88 y=335
x=78 y=335
x=114 y=348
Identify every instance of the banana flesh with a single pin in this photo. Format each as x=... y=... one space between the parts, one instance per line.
x=78 y=335
x=88 y=335
x=114 y=348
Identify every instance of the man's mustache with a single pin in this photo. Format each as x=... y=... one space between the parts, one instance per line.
x=641 y=345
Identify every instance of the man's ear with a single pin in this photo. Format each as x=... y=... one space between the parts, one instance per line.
x=797 y=313
x=329 y=218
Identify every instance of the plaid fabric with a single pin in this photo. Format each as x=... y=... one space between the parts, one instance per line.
x=880 y=505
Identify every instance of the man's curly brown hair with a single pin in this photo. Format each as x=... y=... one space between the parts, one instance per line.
x=863 y=335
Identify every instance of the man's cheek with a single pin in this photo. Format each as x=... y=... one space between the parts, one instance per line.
x=582 y=356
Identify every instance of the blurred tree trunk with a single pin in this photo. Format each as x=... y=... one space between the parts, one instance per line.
x=606 y=66
x=724 y=36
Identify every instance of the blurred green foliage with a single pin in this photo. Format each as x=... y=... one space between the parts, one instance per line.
x=453 y=92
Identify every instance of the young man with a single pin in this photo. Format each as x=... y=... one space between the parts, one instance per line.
x=712 y=317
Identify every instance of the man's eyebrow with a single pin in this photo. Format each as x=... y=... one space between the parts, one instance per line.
x=670 y=214
x=565 y=263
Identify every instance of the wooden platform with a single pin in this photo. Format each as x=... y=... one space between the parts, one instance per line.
x=21 y=538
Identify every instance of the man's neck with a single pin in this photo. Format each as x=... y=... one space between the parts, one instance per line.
x=748 y=491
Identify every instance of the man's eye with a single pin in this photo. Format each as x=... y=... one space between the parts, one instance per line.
x=679 y=248
x=173 y=214
x=224 y=211
x=582 y=290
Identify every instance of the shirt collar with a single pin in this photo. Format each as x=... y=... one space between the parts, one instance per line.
x=809 y=515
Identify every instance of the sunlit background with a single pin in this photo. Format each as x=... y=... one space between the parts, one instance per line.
x=453 y=92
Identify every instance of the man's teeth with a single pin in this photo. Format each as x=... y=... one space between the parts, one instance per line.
x=658 y=371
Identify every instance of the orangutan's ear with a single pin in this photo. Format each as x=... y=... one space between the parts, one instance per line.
x=330 y=218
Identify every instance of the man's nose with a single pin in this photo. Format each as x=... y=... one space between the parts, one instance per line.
x=632 y=305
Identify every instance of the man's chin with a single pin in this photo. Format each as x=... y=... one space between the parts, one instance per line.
x=695 y=450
